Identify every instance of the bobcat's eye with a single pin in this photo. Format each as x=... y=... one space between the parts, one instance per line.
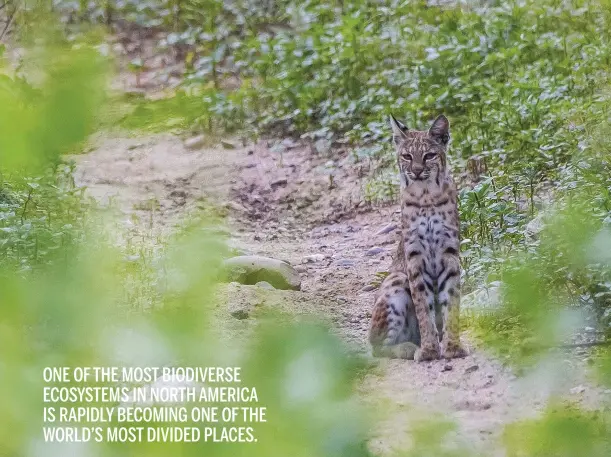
x=429 y=156
x=407 y=156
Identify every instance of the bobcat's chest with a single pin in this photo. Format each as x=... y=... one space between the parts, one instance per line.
x=430 y=223
x=430 y=235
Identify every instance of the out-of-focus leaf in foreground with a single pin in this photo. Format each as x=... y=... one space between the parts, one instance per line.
x=563 y=431
x=38 y=125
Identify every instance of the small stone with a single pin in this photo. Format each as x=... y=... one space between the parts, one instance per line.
x=485 y=298
x=227 y=144
x=471 y=369
x=178 y=193
x=369 y=288
x=374 y=251
x=536 y=225
x=472 y=404
x=301 y=268
x=265 y=285
x=313 y=258
x=278 y=148
x=195 y=142
x=235 y=206
x=577 y=390
x=118 y=48
x=322 y=146
x=345 y=263
x=389 y=228
x=447 y=367
x=280 y=182
x=289 y=143
x=240 y=314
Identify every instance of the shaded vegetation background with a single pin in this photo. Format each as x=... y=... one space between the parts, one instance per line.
x=525 y=84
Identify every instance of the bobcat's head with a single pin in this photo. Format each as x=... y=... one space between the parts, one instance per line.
x=421 y=155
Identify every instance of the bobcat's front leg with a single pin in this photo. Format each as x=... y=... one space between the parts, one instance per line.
x=449 y=299
x=423 y=298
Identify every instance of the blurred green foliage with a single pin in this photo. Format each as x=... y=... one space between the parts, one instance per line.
x=563 y=431
x=76 y=316
x=41 y=210
x=41 y=218
x=72 y=86
x=430 y=439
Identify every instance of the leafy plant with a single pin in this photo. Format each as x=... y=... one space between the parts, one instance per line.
x=42 y=212
x=563 y=431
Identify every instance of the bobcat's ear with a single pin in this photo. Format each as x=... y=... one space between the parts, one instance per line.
x=399 y=130
x=440 y=130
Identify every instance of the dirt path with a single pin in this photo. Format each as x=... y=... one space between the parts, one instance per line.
x=284 y=204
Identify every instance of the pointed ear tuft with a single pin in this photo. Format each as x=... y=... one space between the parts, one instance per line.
x=440 y=130
x=399 y=129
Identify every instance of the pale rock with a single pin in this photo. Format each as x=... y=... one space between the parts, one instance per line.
x=313 y=258
x=387 y=229
x=196 y=142
x=251 y=269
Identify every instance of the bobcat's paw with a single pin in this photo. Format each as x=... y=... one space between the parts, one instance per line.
x=405 y=350
x=453 y=351
x=424 y=354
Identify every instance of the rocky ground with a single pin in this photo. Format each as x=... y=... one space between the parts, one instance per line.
x=283 y=204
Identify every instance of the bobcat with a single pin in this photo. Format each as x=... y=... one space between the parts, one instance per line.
x=416 y=310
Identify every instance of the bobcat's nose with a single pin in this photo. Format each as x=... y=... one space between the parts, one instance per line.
x=417 y=171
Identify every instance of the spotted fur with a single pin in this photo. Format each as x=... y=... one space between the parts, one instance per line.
x=418 y=303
